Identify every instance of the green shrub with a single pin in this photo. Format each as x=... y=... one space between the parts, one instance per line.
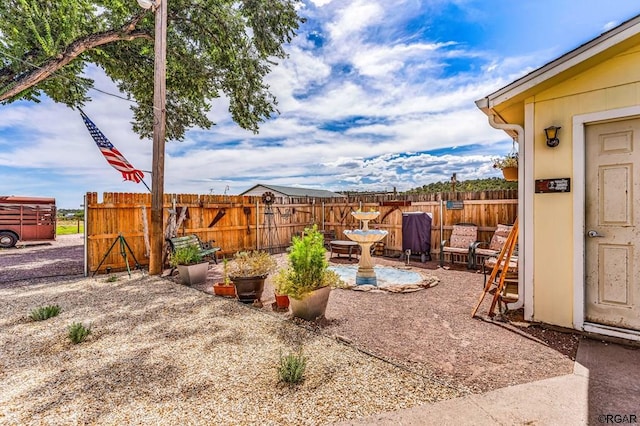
x=44 y=312
x=291 y=367
x=78 y=332
x=186 y=255
x=112 y=279
x=307 y=270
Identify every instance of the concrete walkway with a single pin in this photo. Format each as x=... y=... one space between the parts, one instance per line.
x=603 y=389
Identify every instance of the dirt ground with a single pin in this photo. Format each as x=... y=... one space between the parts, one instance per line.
x=429 y=332
x=432 y=331
x=40 y=262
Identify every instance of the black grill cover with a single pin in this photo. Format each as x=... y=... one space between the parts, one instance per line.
x=416 y=232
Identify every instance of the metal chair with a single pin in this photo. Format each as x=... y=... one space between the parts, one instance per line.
x=463 y=236
x=482 y=250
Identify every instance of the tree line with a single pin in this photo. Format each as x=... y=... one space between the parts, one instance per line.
x=471 y=185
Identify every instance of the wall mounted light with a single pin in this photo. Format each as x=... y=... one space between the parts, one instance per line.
x=551 y=133
x=147 y=4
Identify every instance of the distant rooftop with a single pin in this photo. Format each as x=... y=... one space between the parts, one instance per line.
x=293 y=191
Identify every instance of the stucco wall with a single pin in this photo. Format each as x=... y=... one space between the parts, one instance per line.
x=609 y=85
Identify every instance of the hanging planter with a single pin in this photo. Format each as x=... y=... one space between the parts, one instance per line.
x=510 y=173
x=508 y=164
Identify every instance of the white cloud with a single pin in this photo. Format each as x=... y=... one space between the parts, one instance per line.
x=320 y=3
x=353 y=19
x=372 y=96
x=380 y=60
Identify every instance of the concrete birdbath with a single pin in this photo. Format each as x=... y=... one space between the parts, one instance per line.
x=365 y=237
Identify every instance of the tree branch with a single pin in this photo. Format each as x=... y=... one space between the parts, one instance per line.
x=125 y=33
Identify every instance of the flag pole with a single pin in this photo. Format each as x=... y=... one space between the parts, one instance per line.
x=145 y=184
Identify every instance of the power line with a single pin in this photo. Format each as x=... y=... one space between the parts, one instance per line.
x=114 y=95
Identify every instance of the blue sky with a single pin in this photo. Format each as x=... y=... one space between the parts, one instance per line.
x=375 y=95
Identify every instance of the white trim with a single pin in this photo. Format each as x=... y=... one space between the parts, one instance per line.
x=579 y=190
x=526 y=270
x=606 y=330
x=578 y=220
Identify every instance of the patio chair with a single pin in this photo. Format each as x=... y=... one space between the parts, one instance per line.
x=459 y=248
x=328 y=235
x=511 y=268
x=482 y=250
x=509 y=292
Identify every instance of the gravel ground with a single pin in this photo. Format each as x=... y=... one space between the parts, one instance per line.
x=163 y=353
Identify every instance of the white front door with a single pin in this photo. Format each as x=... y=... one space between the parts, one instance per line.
x=612 y=243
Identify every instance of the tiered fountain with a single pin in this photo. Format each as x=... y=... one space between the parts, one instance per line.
x=365 y=237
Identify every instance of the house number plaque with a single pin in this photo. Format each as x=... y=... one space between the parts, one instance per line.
x=553 y=185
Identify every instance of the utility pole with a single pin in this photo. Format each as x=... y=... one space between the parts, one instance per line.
x=159 y=134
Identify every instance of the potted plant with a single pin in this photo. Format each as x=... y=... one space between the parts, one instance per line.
x=248 y=271
x=191 y=267
x=226 y=287
x=509 y=165
x=282 y=299
x=307 y=280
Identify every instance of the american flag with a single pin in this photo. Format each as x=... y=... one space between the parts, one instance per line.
x=113 y=156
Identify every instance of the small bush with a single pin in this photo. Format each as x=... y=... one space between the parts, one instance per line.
x=291 y=367
x=307 y=270
x=44 y=312
x=186 y=255
x=255 y=263
x=112 y=279
x=78 y=332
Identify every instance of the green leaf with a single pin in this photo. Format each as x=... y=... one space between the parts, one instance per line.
x=214 y=48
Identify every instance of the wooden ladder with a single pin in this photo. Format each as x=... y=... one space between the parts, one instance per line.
x=499 y=271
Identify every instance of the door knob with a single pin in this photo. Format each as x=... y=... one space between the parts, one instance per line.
x=594 y=234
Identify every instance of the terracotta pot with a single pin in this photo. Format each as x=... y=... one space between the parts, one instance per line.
x=220 y=289
x=312 y=305
x=193 y=274
x=282 y=301
x=249 y=289
x=510 y=173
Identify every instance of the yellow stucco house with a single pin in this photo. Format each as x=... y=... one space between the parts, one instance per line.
x=579 y=201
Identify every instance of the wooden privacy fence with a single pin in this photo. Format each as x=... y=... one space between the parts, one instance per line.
x=244 y=223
